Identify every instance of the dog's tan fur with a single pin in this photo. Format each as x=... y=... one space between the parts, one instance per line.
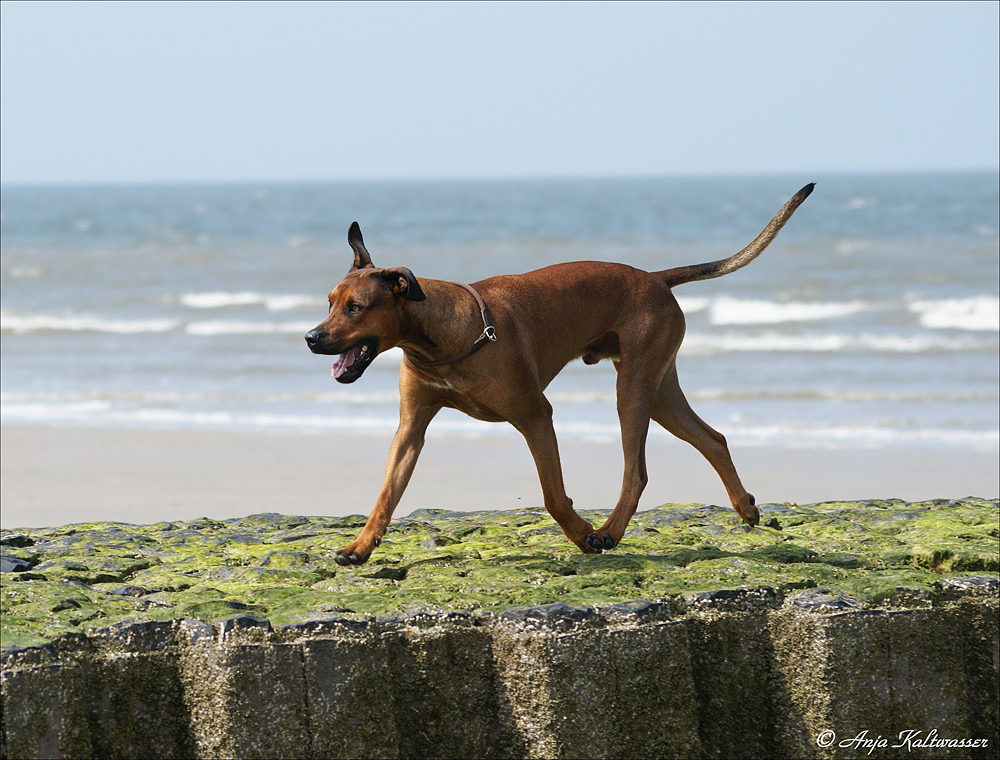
x=544 y=319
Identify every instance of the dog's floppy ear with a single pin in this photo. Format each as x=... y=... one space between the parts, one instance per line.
x=362 y=259
x=402 y=282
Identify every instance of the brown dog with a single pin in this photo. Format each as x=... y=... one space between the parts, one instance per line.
x=529 y=327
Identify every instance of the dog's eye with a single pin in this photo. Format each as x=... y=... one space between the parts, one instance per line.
x=354 y=308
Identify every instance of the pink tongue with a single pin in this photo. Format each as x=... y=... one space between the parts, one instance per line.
x=344 y=361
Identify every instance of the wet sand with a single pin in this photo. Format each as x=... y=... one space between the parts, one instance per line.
x=57 y=476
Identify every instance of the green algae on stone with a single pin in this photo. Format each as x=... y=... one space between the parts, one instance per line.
x=282 y=567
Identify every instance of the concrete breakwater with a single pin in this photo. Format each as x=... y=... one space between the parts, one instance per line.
x=752 y=672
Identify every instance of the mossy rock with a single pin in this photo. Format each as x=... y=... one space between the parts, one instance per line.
x=282 y=567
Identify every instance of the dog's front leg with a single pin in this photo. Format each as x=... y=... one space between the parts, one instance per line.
x=405 y=449
x=541 y=438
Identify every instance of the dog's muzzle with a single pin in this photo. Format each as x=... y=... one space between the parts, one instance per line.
x=352 y=360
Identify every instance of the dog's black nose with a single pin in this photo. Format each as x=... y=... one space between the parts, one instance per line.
x=312 y=337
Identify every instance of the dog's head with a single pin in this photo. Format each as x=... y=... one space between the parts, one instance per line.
x=365 y=312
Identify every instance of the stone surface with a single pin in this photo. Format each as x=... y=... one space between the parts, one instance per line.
x=693 y=639
x=280 y=567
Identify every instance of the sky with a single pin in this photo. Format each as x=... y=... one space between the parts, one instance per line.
x=249 y=92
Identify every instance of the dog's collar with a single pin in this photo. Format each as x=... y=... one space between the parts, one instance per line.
x=489 y=333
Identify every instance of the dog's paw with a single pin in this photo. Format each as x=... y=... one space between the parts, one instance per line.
x=357 y=552
x=751 y=516
x=346 y=558
x=600 y=543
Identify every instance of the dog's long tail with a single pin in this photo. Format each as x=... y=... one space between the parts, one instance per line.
x=680 y=275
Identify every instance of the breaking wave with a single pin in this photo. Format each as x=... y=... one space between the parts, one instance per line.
x=980 y=313
x=29 y=323
x=272 y=302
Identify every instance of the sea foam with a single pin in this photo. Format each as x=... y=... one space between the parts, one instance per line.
x=14 y=322
x=738 y=311
x=704 y=344
x=225 y=327
x=270 y=301
x=979 y=313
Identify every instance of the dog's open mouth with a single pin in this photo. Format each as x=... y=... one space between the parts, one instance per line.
x=354 y=361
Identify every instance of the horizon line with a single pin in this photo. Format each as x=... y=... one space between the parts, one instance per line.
x=458 y=179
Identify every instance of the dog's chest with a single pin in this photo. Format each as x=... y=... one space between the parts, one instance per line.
x=463 y=399
x=476 y=412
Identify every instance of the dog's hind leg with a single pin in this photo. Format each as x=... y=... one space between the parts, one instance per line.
x=672 y=411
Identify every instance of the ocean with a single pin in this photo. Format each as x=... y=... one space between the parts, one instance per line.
x=872 y=321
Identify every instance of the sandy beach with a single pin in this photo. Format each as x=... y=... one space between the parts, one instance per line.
x=56 y=476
